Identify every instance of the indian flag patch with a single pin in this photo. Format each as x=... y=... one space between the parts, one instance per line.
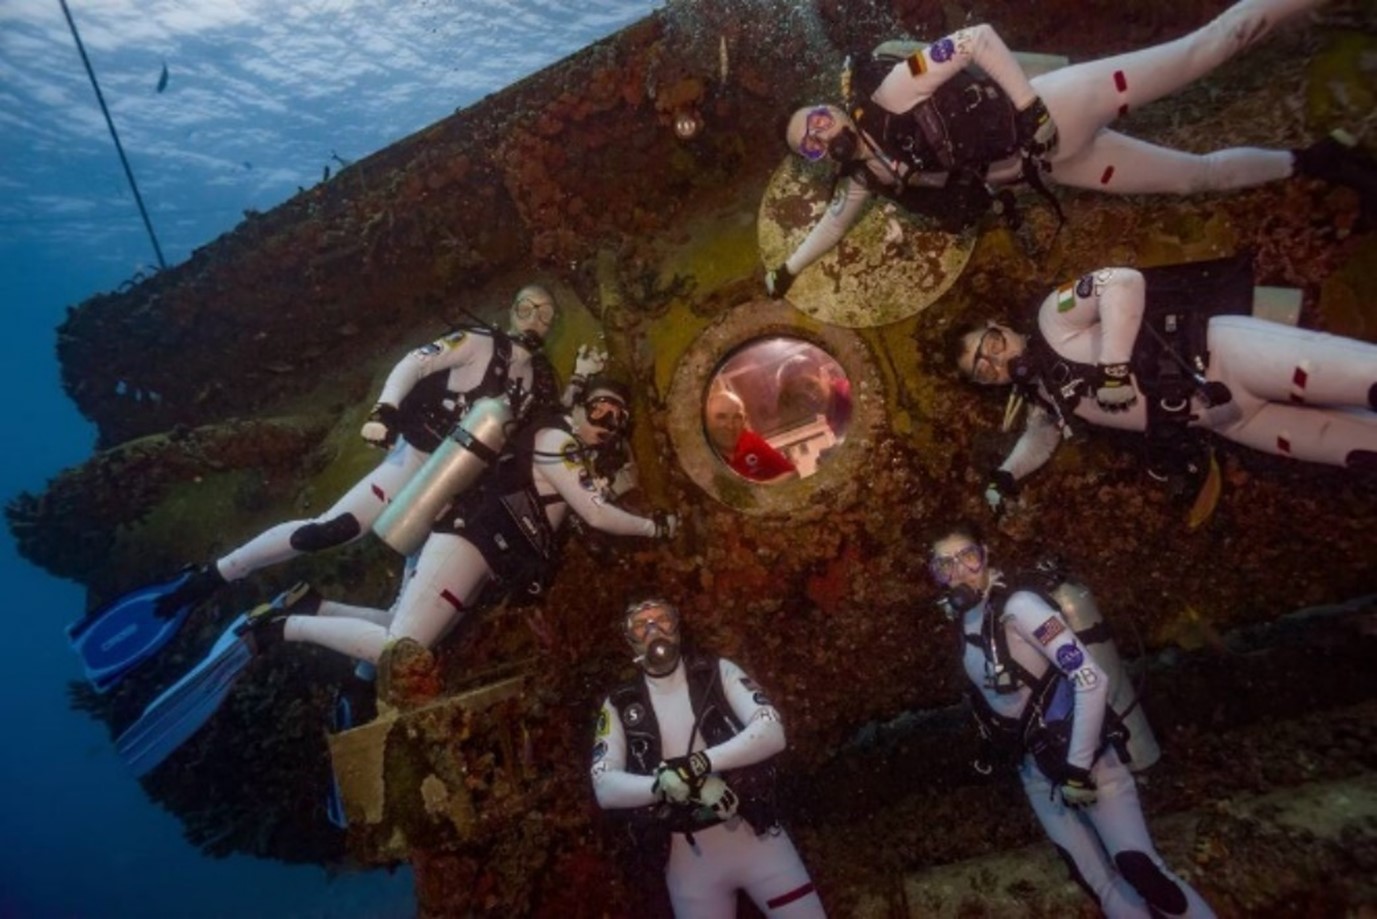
x=1066 y=297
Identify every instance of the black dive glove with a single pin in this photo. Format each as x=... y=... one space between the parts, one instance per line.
x=1077 y=787
x=1115 y=391
x=1000 y=488
x=666 y=525
x=779 y=280
x=380 y=429
x=1037 y=132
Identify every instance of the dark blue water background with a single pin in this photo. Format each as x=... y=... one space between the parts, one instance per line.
x=260 y=97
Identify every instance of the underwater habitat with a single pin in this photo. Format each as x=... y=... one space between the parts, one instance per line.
x=776 y=466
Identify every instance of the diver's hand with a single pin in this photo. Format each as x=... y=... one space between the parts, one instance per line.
x=1037 y=132
x=1078 y=788
x=666 y=525
x=588 y=361
x=717 y=795
x=692 y=769
x=670 y=787
x=1115 y=392
x=380 y=429
x=678 y=779
x=999 y=489
x=779 y=280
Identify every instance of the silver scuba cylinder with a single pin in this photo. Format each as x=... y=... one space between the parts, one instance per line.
x=469 y=450
x=1083 y=614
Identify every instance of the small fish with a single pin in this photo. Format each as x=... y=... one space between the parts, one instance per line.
x=723 y=64
x=162 y=78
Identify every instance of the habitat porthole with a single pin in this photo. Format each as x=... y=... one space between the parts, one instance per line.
x=772 y=412
x=777 y=409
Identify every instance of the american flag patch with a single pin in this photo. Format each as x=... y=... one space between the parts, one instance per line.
x=1049 y=630
x=1066 y=297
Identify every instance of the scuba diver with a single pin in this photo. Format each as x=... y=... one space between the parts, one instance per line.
x=1040 y=704
x=684 y=753
x=496 y=540
x=940 y=141
x=1142 y=351
x=502 y=533
x=422 y=400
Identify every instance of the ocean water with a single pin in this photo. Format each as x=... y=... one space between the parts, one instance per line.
x=222 y=106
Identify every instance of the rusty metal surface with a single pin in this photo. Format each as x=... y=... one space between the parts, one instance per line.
x=890 y=266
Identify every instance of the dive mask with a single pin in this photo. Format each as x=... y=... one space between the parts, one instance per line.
x=608 y=413
x=652 y=628
x=945 y=568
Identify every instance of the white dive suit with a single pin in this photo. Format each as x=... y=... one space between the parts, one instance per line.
x=708 y=865
x=1106 y=844
x=1294 y=392
x=1083 y=99
x=451 y=569
x=433 y=387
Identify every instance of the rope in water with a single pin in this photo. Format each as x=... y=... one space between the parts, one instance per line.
x=100 y=97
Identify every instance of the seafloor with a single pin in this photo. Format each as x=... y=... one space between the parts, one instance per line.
x=244 y=374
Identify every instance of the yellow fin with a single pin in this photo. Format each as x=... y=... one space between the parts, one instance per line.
x=1207 y=499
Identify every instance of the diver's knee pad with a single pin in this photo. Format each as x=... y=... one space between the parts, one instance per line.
x=1160 y=891
x=313 y=537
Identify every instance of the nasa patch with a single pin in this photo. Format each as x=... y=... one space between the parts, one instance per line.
x=941 y=51
x=634 y=714
x=760 y=698
x=1085 y=286
x=1069 y=657
x=1049 y=630
x=599 y=750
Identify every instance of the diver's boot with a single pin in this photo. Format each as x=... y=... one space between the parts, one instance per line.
x=265 y=623
x=1340 y=161
x=196 y=585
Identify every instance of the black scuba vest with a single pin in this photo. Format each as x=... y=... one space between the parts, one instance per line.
x=1172 y=340
x=431 y=409
x=717 y=723
x=1033 y=732
x=504 y=515
x=964 y=127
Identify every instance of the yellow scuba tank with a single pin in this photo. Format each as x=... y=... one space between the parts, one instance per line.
x=462 y=457
x=1083 y=614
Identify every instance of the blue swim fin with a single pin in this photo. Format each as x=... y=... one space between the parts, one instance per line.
x=342 y=720
x=125 y=632
x=171 y=719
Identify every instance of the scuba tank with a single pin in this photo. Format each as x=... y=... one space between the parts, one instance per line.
x=1083 y=615
x=462 y=457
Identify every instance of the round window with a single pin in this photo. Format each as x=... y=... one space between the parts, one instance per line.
x=776 y=408
x=773 y=413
